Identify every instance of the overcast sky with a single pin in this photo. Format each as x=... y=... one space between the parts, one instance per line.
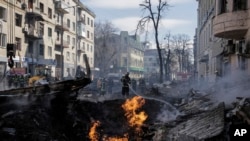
x=181 y=18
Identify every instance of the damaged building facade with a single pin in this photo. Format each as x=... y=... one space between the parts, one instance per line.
x=222 y=47
x=53 y=34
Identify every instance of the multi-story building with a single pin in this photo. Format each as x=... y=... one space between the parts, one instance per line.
x=151 y=63
x=232 y=24
x=128 y=55
x=131 y=55
x=207 y=47
x=223 y=38
x=45 y=33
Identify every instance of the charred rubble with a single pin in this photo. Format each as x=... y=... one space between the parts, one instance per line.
x=61 y=117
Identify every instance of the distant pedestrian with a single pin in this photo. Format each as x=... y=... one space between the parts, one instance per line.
x=103 y=86
x=110 y=85
x=125 y=84
x=99 y=85
x=22 y=81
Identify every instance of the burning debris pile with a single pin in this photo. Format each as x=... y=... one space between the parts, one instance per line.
x=149 y=117
x=57 y=117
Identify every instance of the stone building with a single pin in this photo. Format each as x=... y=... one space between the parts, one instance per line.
x=232 y=24
x=52 y=34
x=222 y=38
x=130 y=54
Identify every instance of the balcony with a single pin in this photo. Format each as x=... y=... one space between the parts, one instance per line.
x=81 y=19
x=62 y=6
x=65 y=43
x=63 y=27
x=32 y=32
x=34 y=13
x=232 y=25
x=81 y=30
x=80 y=50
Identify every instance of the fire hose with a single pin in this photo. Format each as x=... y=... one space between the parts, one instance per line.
x=151 y=98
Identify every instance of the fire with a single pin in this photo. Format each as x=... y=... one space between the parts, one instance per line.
x=134 y=118
x=125 y=138
x=131 y=106
x=93 y=135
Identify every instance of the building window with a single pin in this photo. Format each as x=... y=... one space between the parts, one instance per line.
x=41 y=29
x=18 y=20
x=92 y=36
x=68 y=23
x=41 y=50
x=87 y=47
x=68 y=39
x=73 y=41
x=84 y=19
x=88 y=21
x=222 y=6
x=74 y=26
x=41 y=8
x=87 y=34
x=91 y=48
x=18 y=44
x=49 y=51
x=50 y=13
x=92 y=24
x=49 y=32
x=68 y=55
x=240 y=5
x=3 y=14
x=3 y=40
x=30 y=47
x=57 y=35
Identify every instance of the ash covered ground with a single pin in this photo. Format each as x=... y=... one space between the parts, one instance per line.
x=174 y=112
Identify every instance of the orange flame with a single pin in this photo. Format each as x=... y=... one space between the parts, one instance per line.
x=93 y=135
x=135 y=119
x=125 y=138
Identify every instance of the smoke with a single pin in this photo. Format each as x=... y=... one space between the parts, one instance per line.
x=229 y=87
x=167 y=114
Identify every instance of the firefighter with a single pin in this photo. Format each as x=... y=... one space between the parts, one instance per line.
x=99 y=85
x=10 y=80
x=125 y=84
x=21 y=81
x=110 y=85
x=103 y=86
x=15 y=80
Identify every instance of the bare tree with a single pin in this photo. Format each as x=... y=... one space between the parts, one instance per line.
x=180 y=43
x=167 y=61
x=105 y=48
x=154 y=16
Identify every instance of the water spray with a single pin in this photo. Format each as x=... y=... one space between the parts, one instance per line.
x=153 y=98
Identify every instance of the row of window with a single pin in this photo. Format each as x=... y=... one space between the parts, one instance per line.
x=237 y=5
